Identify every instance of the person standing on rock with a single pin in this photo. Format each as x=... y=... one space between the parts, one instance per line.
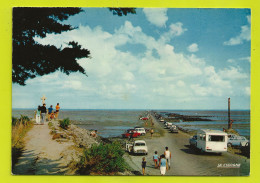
x=143 y=165
x=163 y=165
x=43 y=113
x=57 y=110
x=168 y=156
x=50 y=110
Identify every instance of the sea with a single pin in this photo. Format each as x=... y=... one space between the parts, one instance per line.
x=112 y=123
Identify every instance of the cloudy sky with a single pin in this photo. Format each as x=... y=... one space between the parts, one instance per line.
x=155 y=59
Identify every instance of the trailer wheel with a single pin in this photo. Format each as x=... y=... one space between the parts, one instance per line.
x=201 y=151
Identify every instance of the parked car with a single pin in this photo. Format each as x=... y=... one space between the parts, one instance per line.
x=193 y=141
x=235 y=140
x=144 y=118
x=162 y=120
x=140 y=130
x=174 y=129
x=137 y=147
x=130 y=132
x=168 y=125
x=245 y=150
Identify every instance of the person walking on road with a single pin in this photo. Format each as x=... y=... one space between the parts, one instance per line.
x=163 y=165
x=152 y=131
x=168 y=156
x=143 y=165
x=155 y=159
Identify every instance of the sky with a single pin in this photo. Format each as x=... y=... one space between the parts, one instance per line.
x=158 y=58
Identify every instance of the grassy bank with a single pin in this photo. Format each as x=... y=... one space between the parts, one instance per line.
x=20 y=126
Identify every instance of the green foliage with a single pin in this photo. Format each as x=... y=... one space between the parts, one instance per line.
x=30 y=58
x=19 y=129
x=122 y=11
x=102 y=158
x=65 y=123
x=23 y=119
x=50 y=124
x=14 y=121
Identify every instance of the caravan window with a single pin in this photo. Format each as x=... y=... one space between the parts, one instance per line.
x=217 y=138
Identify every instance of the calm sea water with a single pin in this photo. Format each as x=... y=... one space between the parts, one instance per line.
x=111 y=123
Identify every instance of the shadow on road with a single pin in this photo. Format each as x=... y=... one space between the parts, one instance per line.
x=31 y=164
x=195 y=151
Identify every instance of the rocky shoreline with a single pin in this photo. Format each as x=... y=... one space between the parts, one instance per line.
x=81 y=139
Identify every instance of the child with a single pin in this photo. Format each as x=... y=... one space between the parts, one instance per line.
x=52 y=116
x=155 y=159
x=143 y=165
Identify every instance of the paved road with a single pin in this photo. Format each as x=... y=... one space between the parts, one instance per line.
x=186 y=161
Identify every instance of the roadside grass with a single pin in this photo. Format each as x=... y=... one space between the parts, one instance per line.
x=64 y=123
x=102 y=159
x=19 y=129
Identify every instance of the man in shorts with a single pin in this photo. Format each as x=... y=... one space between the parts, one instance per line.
x=152 y=131
x=168 y=156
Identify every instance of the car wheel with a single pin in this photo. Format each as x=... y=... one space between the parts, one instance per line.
x=229 y=144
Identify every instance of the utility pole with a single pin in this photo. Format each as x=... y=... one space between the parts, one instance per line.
x=229 y=120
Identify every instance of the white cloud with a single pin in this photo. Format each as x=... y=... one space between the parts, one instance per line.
x=247 y=91
x=193 y=47
x=245 y=34
x=232 y=73
x=231 y=60
x=246 y=58
x=180 y=83
x=175 y=30
x=74 y=84
x=156 y=16
x=122 y=75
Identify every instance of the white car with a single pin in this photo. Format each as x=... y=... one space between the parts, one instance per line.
x=174 y=129
x=140 y=130
x=168 y=125
x=235 y=140
x=137 y=147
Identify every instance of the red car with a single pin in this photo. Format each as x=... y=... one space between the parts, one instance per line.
x=132 y=132
x=144 y=118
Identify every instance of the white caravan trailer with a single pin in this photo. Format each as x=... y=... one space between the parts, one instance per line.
x=212 y=140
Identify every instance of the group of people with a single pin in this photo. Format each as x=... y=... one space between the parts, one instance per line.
x=42 y=111
x=164 y=161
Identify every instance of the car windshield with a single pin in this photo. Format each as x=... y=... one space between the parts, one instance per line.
x=140 y=144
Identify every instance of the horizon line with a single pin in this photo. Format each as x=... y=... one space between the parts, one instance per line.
x=135 y=109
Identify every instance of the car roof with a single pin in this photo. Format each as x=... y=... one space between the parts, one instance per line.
x=139 y=141
x=212 y=131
